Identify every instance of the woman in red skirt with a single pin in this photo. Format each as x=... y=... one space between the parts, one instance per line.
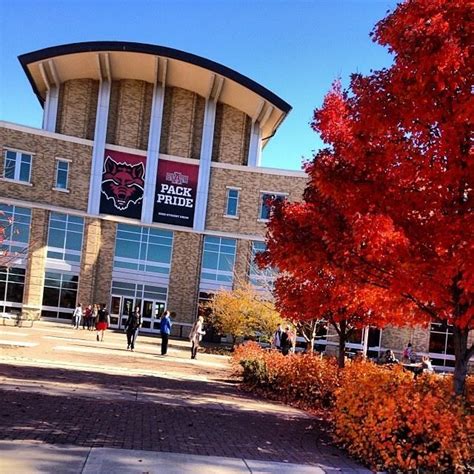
x=103 y=321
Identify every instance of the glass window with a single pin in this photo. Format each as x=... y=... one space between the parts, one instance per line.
x=265 y=203
x=232 y=202
x=144 y=249
x=441 y=342
x=59 y=294
x=263 y=279
x=15 y=222
x=218 y=260
x=65 y=236
x=17 y=166
x=62 y=172
x=12 y=285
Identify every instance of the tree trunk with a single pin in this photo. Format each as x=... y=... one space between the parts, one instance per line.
x=462 y=356
x=342 y=344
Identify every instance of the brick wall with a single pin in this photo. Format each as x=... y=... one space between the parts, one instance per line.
x=231 y=135
x=184 y=275
x=183 y=118
x=105 y=262
x=89 y=262
x=34 y=277
x=242 y=262
x=129 y=113
x=249 y=204
x=45 y=150
x=77 y=108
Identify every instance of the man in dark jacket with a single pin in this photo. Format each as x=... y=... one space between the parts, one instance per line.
x=132 y=326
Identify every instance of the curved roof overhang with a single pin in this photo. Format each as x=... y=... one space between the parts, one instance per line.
x=115 y=60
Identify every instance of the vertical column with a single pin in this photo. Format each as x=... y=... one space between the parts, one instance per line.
x=50 y=113
x=205 y=165
x=242 y=263
x=184 y=275
x=89 y=260
x=255 y=149
x=154 y=137
x=99 y=146
x=105 y=262
x=36 y=264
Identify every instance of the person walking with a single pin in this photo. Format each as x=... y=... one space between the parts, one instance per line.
x=286 y=341
x=276 y=340
x=132 y=327
x=77 y=316
x=86 y=318
x=94 y=316
x=409 y=355
x=103 y=321
x=195 y=336
x=165 y=329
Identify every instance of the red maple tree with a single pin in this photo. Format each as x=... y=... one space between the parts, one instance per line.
x=390 y=199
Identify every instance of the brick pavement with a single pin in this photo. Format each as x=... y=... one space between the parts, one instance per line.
x=149 y=405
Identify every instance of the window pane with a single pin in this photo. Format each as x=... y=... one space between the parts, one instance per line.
x=210 y=260
x=15 y=292
x=56 y=238
x=50 y=297
x=232 y=207
x=61 y=181
x=127 y=249
x=9 y=170
x=68 y=299
x=25 y=171
x=73 y=241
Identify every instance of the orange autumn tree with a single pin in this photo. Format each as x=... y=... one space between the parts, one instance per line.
x=390 y=199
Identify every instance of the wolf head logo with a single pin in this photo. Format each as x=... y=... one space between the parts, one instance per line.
x=122 y=183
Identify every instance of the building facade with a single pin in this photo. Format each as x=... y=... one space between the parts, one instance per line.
x=144 y=187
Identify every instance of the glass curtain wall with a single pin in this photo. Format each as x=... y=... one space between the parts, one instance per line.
x=15 y=222
x=64 y=249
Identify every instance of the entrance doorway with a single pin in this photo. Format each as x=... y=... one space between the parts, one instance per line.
x=151 y=310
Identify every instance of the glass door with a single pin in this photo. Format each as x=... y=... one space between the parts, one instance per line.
x=152 y=311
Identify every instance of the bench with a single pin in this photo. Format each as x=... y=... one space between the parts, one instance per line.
x=16 y=319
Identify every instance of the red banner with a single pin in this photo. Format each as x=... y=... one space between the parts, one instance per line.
x=175 y=193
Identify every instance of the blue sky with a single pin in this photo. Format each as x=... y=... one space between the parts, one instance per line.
x=295 y=48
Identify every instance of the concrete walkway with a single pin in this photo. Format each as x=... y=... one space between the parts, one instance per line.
x=72 y=404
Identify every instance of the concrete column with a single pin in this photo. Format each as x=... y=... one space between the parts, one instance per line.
x=205 y=165
x=255 y=146
x=99 y=147
x=36 y=264
x=153 y=153
x=50 y=113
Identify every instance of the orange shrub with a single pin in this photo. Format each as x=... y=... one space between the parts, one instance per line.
x=302 y=379
x=393 y=422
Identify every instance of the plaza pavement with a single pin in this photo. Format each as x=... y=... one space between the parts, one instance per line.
x=71 y=404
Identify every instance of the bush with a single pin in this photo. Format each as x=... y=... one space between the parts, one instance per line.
x=393 y=422
x=305 y=380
